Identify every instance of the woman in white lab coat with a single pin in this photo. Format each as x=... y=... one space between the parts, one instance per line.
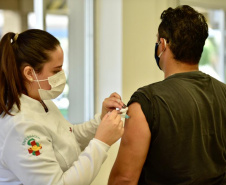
x=37 y=145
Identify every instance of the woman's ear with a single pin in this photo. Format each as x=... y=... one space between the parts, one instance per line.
x=28 y=73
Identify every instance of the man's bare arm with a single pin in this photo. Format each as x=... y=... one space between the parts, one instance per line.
x=133 y=149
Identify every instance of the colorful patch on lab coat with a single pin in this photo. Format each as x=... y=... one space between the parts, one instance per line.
x=35 y=147
x=32 y=136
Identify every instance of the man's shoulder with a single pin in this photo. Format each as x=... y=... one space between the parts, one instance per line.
x=153 y=86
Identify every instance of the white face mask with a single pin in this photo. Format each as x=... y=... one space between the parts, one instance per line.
x=57 y=83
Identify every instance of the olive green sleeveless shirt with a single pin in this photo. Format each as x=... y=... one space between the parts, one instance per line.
x=186 y=114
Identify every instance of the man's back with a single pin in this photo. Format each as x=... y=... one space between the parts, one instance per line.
x=186 y=114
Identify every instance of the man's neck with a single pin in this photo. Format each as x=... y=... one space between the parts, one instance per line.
x=179 y=67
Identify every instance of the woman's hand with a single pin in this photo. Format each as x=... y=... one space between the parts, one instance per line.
x=111 y=103
x=111 y=128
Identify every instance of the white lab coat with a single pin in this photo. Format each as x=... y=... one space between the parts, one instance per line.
x=39 y=148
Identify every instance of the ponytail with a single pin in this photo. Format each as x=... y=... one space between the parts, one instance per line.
x=11 y=83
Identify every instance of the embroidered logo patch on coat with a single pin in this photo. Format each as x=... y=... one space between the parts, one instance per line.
x=34 y=147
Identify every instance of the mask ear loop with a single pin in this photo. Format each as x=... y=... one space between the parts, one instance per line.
x=163 y=49
x=43 y=104
x=37 y=79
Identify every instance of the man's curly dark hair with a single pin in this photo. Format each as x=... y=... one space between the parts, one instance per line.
x=185 y=30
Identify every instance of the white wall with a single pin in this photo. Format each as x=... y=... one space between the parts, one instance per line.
x=12 y=17
x=108 y=49
x=108 y=65
x=140 y=26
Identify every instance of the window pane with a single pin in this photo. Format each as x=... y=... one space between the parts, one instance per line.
x=212 y=60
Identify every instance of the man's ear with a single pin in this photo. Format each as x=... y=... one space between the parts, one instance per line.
x=28 y=73
x=163 y=43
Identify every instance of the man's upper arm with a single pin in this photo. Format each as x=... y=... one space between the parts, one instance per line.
x=133 y=148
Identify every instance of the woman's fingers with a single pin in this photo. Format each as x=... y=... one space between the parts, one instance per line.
x=111 y=103
x=110 y=128
x=116 y=95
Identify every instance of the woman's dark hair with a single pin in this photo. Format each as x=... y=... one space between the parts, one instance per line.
x=29 y=48
x=186 y=31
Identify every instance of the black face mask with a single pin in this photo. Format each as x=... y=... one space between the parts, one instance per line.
x=157 y=57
